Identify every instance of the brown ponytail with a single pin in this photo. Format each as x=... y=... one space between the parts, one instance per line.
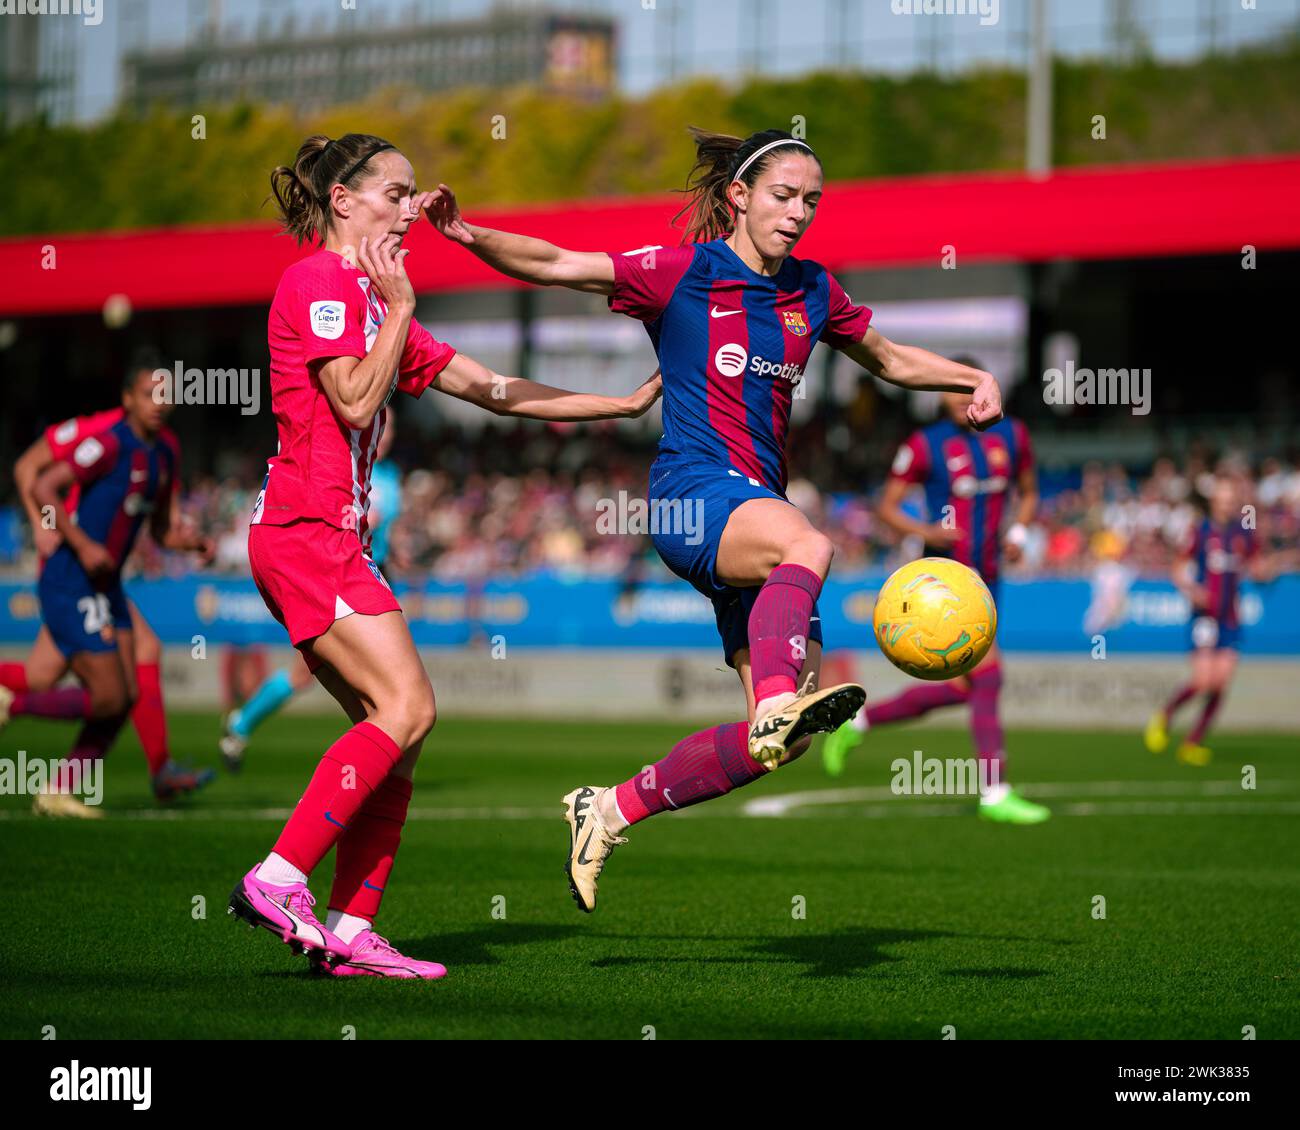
x=302 y=193
x=708 y=210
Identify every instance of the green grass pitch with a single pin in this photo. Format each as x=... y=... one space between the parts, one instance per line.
x=916 y=915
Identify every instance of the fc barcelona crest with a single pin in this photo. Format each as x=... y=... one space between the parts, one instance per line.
x=794 y=322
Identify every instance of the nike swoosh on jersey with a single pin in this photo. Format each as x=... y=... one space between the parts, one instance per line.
x=714 y=312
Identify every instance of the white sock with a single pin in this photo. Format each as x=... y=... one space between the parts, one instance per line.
x=994 y=794
x=345 y=926
x=278 y=870
x=620 y=820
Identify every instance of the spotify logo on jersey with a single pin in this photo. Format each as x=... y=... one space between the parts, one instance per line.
x=730 y=360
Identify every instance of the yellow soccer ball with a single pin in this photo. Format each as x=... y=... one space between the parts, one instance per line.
x=935 y=619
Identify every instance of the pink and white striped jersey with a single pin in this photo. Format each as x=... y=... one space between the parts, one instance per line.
x=324 y=308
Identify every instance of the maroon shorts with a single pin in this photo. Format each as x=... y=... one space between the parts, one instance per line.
x=310 y=574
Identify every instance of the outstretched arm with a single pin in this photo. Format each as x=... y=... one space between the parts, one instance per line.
x=29 y=465
x=521 y=256
x=912 y=367
x=466 y=379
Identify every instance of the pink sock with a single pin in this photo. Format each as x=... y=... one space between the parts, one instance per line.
x=915 y=701
x=985 y=726
x=778 y=629
x=70 y=702
x=366 y=851
x=700 y=767
x=1180 y=697
x=351 y=769
x=1208 y=711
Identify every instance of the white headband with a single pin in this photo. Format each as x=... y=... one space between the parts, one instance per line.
x=760 y=151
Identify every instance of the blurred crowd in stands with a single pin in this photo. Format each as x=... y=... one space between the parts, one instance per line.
x=487 y=504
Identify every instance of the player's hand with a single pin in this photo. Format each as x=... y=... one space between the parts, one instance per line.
x=46 y=541
x=640 y=401
x=386 y=266
x=985 y=408
x=95 y=559
x=206 y=550
x=444 y=214
x=1013 y=551
x=943 y=537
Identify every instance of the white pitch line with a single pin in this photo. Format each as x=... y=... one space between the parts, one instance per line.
x=845 y=805
x=783 y=803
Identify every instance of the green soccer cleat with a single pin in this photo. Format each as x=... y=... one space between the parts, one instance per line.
x=1014 y=809
x=1190 y=753
x=837 y=746
x=1157 y=733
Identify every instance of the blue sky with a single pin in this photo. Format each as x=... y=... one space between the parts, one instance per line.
x=719 y=37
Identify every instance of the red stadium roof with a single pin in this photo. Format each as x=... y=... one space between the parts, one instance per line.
x=1096 y=213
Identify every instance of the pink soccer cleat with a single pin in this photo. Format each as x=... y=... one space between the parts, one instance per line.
x=373 y=956
x=286 y=912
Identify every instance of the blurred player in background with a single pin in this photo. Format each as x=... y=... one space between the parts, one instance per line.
x=733 y=317
x=1219 y=553
x=45 y=664
x=279 y=687
x=117 y=474
x=967 y=477
x=342 y=341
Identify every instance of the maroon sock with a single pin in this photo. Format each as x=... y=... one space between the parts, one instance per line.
x=778 y=629
x=1208 y=711
x=700 y=767
x=915 y=701
x=13 y=676
x=69 y=702
x=93 y=741
x=366 y=851
x=1180 y=697
x=985 y=726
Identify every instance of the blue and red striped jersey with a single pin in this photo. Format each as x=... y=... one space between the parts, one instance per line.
x=1219 y=554
x=732 y=346
x=121 y=479
x=973 y=473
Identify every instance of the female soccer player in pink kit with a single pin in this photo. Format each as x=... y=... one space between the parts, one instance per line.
x=342 y=340
x=733 y=317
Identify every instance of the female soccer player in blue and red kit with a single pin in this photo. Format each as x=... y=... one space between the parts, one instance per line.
x=1221 y=550
x=733 y=317
x=46 y=664
x=968 y=478
x=342 y=341
x=123 y=473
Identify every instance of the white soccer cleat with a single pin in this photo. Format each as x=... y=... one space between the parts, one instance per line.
x=232 y=747
x=6 y=701
x=64 y=806
x=590 y=844
x=783 y=719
